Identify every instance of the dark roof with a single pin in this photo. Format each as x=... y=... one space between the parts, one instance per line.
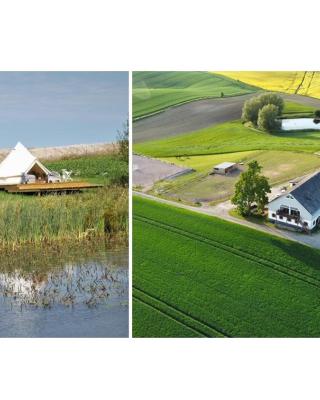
x=308 y=193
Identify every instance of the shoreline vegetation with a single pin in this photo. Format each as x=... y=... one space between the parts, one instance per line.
x=100 y=214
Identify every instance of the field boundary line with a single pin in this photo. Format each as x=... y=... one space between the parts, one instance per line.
x=176 y=310
x=240 y=253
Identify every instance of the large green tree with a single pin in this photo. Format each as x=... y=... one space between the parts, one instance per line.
x=268 y=118
x=251 y=188
x=251 y=108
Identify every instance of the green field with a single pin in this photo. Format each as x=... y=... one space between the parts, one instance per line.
x=155 y=91
x=195 y=275
x=97 y=168
x=229 y=137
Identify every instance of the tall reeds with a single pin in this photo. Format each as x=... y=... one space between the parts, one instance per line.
x=46 y=219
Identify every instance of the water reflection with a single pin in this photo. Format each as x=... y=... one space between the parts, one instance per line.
x=37 y=283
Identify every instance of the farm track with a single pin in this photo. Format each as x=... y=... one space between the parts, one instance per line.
x=310 y=81
x=308 y=279
x=301 y=83
x=194 y=323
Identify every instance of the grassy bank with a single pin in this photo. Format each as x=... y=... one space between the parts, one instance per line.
x=219 y=279
x=156 y=91
x=230 y=137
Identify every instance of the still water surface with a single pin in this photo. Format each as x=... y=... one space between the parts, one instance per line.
x=64 y=292
x=299 y=124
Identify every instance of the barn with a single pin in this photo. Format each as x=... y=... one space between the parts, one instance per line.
x=298 y=208
x=18 y=163
x=224 y=168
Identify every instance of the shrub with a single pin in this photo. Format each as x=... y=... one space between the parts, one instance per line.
x=317 y=114
x=268 y=118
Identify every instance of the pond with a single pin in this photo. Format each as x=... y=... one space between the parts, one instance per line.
x=78 y=291
x=299 y=124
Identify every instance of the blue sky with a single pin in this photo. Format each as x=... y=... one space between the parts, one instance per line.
x=60 y=108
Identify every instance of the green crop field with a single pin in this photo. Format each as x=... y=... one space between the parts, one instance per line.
x=195 y=275
x=155 y=91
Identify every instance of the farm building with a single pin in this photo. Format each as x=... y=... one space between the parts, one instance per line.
x=19 y=163
x=224 y=168
x=298 y=208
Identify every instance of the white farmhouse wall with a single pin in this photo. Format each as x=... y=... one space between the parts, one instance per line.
x=275 y=205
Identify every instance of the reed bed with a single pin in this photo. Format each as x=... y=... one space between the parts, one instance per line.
x=53 y=218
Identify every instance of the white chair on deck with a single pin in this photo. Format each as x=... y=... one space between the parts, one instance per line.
x=66 y=175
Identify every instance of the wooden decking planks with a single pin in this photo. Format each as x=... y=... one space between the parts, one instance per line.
x=50 y=187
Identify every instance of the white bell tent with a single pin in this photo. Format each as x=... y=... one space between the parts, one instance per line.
x=18 y=163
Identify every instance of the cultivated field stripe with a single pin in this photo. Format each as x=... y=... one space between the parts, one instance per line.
x=240 y=253
x=168 y=315
x=188 y=320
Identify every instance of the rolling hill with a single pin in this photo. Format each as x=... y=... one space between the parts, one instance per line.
x=156 y=91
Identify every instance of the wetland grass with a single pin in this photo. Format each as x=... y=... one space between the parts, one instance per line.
x=56 y=218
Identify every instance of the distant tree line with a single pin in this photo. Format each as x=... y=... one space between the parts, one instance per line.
x=263 y=111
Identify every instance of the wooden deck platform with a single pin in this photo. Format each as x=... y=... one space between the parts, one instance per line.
x=50 y=187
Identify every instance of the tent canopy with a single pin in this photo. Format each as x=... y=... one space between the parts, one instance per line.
x=20 y=161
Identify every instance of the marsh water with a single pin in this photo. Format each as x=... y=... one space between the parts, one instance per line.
x=77 y=291
x=299 y=124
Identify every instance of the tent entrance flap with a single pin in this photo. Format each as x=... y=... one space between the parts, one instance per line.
x=38 y=172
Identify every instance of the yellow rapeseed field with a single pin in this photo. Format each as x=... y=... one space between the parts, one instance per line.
x=306 y=83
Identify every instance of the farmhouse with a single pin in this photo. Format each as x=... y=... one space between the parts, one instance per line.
x=224 y=168
x=19 y=163
x=298 y=208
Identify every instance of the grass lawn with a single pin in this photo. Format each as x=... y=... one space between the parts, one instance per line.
x=195 y=275
x=278 y=166
x=155 y=91
x=93 y=168
x=293 y=109
x=229 y=137
x=299 y=82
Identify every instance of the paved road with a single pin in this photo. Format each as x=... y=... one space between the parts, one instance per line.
x=222 y=211
x=197 y=115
